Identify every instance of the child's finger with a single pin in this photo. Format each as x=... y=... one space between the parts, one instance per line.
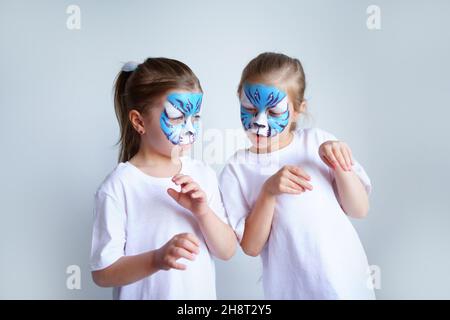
x=293 y=185
x=197 y=194
x=176 y=265
x=191 y=237
x=299 y=172
x=338 y=155
x=173 y=193
x=179 y=252
x=177 y=175
x=290 y=190
x=286 y=182
x=300 y=181
x=188 y=245
x=181 y=179
x=191 y=186
x=351 y=155
x=330 y=157
x=328 y=162
x=347 y=158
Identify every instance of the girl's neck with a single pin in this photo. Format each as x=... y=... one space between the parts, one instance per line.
x=156 y=164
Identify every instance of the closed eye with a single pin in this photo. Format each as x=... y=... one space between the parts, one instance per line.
x=275 y=113
x=279 y=109
x=249 y=108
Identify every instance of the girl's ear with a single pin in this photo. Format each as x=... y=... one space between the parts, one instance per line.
x=297 y=111
x=300 y=109
x=303 y=106
x=137 y=121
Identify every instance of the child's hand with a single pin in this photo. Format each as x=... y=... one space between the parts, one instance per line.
x=184 y=245
x=190 y=196
x=289 y=179
x=335 y=153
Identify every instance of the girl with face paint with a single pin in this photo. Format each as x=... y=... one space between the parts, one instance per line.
x=158 y=217
x=290 y=195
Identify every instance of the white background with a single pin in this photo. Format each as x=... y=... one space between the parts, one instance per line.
x=385 y=92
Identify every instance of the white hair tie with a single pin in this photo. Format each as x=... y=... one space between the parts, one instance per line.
x=130 y=66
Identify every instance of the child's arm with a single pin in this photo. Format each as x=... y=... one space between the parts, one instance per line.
x=129 y=269
x=219 y=236
x=351 y=192
x=258 y=224
x=289 y=179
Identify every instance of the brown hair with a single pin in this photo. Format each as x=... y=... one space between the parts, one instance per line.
x=140 y=88
x=278 y=68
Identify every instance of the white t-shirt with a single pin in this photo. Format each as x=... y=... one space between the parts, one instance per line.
x=134 y=214
x=313 y=251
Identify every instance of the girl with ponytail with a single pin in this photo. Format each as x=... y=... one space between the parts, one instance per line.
x=158 y=216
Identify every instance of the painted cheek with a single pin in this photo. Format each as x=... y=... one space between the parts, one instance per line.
x=279 y=123
x=246 y=118
x=172 y=132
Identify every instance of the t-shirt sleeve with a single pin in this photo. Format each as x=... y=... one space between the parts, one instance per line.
x=108 y=236
x=357 y=167
x=236 y=206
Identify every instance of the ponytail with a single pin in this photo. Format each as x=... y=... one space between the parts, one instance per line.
x=129 y=138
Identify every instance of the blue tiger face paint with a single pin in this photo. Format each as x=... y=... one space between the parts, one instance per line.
x=264 y=109
x=181 y=116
